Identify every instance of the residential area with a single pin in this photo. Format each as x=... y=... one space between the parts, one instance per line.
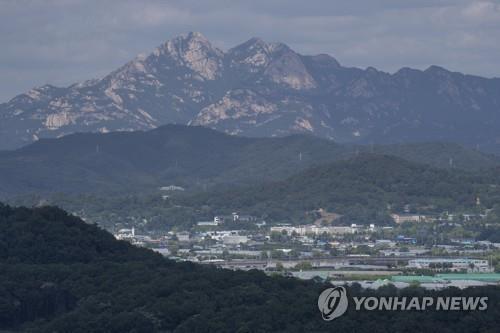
x=363 y=254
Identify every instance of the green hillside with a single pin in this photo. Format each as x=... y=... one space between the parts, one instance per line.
x=193 y=157
x=363 y=189
x=61 y=275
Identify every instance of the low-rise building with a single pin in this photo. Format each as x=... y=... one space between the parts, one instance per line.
x=303 y=230
x=453 y=264
x=406 y=240
x=183 y=236
x=401 y=218
x=172 y=188
x=207 y=223
x=234 y=239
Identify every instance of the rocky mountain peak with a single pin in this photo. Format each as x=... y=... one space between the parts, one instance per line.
x=275 y=60
x=194 y=51
x=254 y=54
x=255 y=47
x=437 y=70
x=287 y=68
x=261 y=89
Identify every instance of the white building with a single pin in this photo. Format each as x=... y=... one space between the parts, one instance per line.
x=401 y=218
x=172 y=188
x=183 y=236
x=472 y=265
x=125 y=234
x=207 y=223
x=163 y=251
x=303 y=230
x=234 y=239
x=220 y=235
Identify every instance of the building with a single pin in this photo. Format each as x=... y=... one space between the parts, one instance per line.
x=312 y=229
x=289 y=230
x=471 y=217
x=163 y=251
x=172 y=188
x=207 y=224
x=397 y=253
x=125 y=234
x=235 y=217
x=385 y=243
x=245 y=218
x=183 y=236
x=453 y=264
x=406 y=240
x=337 y=230
x=234 y=239
x=221 y=234
x=401 y=218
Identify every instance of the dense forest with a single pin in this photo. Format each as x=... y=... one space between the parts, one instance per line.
x=192 y=157
x=363 y=189
x=62 y=275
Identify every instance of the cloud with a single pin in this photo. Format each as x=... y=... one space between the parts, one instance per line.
x=61 y=42
x=482 y=11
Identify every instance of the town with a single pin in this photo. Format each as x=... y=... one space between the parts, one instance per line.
x=371 y=255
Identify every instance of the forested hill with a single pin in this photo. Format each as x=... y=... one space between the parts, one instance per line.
x=364 y=189
x=48 y=235
x=61 y=275
x=191 y=157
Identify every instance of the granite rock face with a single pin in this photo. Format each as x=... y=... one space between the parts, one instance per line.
x=262 y=89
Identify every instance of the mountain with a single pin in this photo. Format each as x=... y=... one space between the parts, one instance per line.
x=62 y=275
x=190 y=156
x=363 y=189
x=262 y=89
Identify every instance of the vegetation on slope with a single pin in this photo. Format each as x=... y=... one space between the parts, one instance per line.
x=77 y=278
x=364 y=189
x=192 y=157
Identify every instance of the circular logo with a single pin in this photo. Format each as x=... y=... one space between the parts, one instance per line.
x=332 y=303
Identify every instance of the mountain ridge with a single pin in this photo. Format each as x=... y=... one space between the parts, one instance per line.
x=262 y=89
x=192 y=156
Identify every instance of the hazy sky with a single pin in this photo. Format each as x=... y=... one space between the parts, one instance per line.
x=62 y=42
